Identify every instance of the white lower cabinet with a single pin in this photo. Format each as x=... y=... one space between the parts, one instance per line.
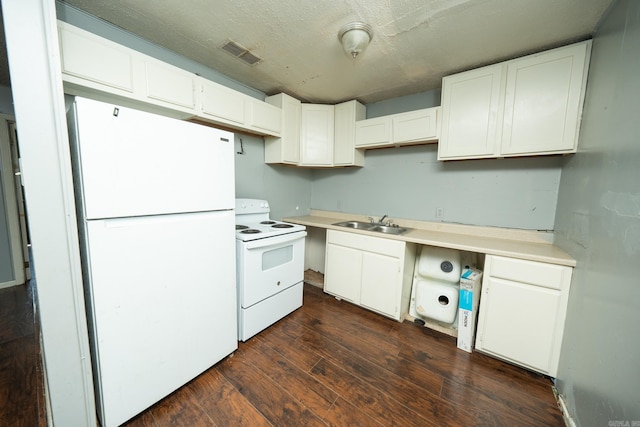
x=522 y=312
x=372 y=272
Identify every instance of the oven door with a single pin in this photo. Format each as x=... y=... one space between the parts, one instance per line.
x=268 y=266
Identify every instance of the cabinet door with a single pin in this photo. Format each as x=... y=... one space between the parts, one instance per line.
x=543 y=103
x=373 y=132
x=415 y=126
x=381 y=284
x=220 y=102
x=520 y=322
x=263 y=117
x=170 y=84
x=316 y=135
x=471 y=111
x=343 y=272
x=286 y=147
x=95 y=60
x=346 y=115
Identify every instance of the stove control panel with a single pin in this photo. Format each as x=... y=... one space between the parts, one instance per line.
x=246 y=206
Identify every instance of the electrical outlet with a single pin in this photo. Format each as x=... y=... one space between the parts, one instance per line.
x=439 y=212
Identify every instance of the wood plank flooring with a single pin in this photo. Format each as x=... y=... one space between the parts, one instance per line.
x=21 y=377
x=331 y=363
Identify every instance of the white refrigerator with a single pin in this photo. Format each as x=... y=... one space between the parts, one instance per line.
x=155 y=199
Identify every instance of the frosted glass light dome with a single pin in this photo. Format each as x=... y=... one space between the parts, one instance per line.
x=355 y=37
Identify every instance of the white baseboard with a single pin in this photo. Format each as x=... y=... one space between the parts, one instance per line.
x=568 y=420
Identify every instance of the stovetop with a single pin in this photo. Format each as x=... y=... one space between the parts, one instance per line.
x=253 y=222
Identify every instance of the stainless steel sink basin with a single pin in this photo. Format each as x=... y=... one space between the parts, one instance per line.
x=387 y=229
x=361 y=225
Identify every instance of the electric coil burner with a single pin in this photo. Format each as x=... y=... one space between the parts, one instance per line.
x=269 y=267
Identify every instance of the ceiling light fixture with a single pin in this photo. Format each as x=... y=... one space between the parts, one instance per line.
x=355 y=37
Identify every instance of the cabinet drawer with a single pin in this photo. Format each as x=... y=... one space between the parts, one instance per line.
x=535 y=273
x=388 y=247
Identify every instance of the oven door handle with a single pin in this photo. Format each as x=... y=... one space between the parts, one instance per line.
x=276 y=240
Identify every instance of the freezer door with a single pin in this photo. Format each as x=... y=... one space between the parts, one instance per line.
x=133 y=163
x=163 y=305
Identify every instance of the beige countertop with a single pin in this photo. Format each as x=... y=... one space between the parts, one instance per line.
x=522 y=244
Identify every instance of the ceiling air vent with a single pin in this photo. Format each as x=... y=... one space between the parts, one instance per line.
x=241 y=52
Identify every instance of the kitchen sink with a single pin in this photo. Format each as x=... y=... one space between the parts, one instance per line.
x=388 y=229
x=361 y=225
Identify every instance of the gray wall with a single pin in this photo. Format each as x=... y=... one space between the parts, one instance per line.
x=598 y=223
x=288 y=189
x=6 y=101
x=417 y=101
x=410 y=183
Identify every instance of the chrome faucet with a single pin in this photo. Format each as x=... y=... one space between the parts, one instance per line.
x=381 y=220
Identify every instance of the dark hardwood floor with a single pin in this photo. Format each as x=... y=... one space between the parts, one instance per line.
x=328 y=363
x=332 y=363
x=21 y=377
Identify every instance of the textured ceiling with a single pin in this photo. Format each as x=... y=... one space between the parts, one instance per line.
x=415 y=42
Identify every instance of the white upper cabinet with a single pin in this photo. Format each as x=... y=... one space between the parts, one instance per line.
x=543 y=101
x=344 y=152
x=285 y=148
x=261 y=116
x=92 y=61
x=419 y=126
x=237 y=110
x=170 y=85
x=527 y=106
x=470 y=110
x=415 y=126
x=99 y=68
x=373 y=132
x=221 y=102
x=316 y=135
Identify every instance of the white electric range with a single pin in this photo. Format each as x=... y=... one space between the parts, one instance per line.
x=269 y=267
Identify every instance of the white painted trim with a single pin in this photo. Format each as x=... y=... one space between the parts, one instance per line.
x=568 y=420
x=34 y=62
